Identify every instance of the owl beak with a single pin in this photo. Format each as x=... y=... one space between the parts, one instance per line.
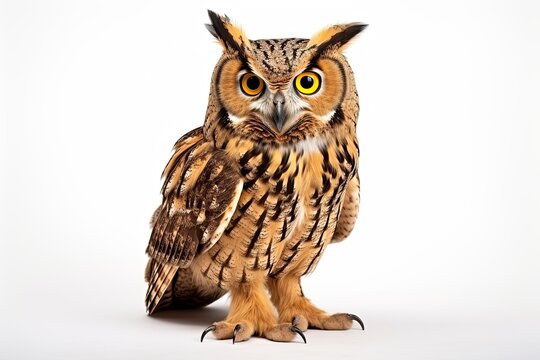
x=279 y=115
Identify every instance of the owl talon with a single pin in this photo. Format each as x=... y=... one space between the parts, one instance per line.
x=356 y=318
x=207 y=330
x=299 y=332
x=237 y=328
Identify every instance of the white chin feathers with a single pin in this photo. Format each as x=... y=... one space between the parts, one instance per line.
x=327 y=117
x=235 y=119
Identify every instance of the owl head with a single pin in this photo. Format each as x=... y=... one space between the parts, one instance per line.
x=281 y=91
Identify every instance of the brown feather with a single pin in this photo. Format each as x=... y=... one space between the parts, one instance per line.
x=160 y=282
x=198 y=202
x=349 y=211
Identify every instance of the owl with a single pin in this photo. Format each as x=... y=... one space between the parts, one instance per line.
x=253 y=197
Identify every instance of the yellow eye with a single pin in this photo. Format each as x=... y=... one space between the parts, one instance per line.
x=251 y=84
x=307 y=82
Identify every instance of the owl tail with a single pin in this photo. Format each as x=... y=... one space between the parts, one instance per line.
x=159 y=295
x=170 y=287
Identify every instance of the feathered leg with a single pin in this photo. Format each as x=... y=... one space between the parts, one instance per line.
x=252 y=313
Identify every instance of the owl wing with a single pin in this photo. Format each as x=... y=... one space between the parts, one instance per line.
x=349 y=210
x=200 y=192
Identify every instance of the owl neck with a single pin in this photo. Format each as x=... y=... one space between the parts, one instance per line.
x=220 y=131
x=263 y=156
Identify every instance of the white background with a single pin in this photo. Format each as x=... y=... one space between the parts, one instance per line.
x=443 y=263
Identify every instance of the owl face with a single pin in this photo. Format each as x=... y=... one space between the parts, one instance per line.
x=282 y=90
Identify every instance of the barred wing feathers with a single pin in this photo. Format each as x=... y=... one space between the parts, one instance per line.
x=349 y=210
x=200 y=193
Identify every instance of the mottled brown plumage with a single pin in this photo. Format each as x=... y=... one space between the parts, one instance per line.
x=252 y=198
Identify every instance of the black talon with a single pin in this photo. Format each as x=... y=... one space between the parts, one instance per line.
x=207 y=330
x=354 y=317
x=299 y=332
x=236 y=330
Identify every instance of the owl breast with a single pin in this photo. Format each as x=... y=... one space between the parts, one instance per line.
x=287 y=212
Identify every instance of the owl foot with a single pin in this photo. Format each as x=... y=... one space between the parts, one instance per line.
x=340 y=321
x=244 y=331
x=293 y=306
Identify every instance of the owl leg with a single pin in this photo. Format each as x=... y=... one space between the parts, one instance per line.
x=294 y=307
x=251 y=313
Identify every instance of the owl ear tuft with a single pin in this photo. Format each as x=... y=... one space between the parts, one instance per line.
x=335 y=38
x=231 y=37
